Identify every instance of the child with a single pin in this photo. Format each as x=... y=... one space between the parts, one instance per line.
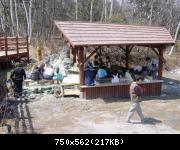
x=57 y=75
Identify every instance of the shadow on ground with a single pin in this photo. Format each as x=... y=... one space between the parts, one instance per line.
x=18 y=111
x=149 y=121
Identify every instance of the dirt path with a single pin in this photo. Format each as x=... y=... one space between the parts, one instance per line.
x=102 y=116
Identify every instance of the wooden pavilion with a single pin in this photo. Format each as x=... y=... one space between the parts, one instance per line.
x=82 y=35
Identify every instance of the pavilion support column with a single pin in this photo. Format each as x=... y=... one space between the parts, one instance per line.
x=81 y=68
x=127 y=57
x=74 y=55
x=161 y=49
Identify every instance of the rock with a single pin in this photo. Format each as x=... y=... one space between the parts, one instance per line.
x=46 y=60
x=163 y=95
x=65 y=53
x=32 y=60
x=171 y=83
x=67 y=63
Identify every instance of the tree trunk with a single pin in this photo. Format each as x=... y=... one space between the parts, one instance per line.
x=175 y=38
x=30 y=19
x=76 y=9
x=105 y=10
x=91 y=11
x=17 y=20
x=151 y=12
x=102 y=13
x=27 y=18
x=12 y=16
x=111 y=9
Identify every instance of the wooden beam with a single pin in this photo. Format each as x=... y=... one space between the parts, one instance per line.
x=95 y=50
x=156 y=52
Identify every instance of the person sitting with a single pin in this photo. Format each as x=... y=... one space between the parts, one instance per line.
x=41 y=69
x=148 y=65
x=128 y=76
x=35 y=74
x=108 y=66
x=89 y=76
x=137 y=69
x=95 y=62
x=57 y=76
x=101 y=63
x=102 y=73
x=49 y=73
x=154 y=71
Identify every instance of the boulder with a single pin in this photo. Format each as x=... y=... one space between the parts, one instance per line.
x=65 y=53
x=67 y=63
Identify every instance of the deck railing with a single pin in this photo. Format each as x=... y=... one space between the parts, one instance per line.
x=14 y=45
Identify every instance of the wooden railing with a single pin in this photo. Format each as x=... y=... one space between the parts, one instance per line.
x=14 y=45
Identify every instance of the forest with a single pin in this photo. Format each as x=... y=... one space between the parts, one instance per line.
x=35 y=18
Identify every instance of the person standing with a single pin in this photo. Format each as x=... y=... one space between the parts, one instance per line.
x=135 y=95
x=17 y=76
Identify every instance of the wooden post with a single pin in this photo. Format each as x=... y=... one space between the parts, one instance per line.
x=27 y=40
x=127 y=57
x=160 y=63
x=6 y=45
x=74 y=55
x=81 y=65
x=17 y=47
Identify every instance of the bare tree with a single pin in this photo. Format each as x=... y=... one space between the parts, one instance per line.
x=102 y=13
x=111 y=9
x=91 y=11
x=76 y=9
x=12 y=16
x=17 y=20
x=105 y=10
x=175 y=38
x=151 y=12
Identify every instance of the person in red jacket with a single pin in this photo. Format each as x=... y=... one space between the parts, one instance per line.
x=135 y=95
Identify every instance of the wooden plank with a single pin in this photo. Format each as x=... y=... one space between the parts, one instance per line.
x=103 y=24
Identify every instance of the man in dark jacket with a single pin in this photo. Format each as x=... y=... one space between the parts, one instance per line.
x=135 y=95
x=18 y=75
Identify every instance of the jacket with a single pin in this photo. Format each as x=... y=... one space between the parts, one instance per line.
x=18 y=74
x=135 y=92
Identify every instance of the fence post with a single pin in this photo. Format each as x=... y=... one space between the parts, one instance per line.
x=27 y=40
x=5 y=45
x=17 y=47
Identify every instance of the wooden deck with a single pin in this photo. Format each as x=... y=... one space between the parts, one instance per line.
x=13 y=48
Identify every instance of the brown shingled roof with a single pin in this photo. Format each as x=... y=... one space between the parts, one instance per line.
x=94 y=34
